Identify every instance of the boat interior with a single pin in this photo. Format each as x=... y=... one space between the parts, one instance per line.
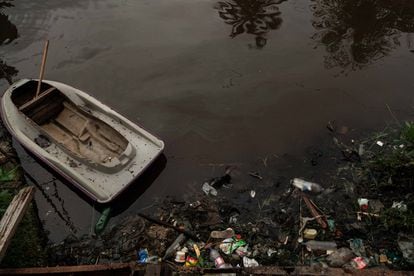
x=75 y=130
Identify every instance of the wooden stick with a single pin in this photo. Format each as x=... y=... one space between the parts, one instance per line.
x=42 y=67
x=13 y=216
x=314 y=212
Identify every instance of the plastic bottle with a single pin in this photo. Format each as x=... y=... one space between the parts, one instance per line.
x=103 y=220
x=218 y=260
x=225 y=234
x=321 y=245
x=306 y=186
x=174 y=246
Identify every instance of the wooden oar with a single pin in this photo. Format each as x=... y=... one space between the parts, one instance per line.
x=42 y=68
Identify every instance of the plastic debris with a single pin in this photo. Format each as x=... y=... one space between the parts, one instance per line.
x=399 y=205
x=360 y=262
x=228 y=246
x=306 y=186
x=174 y=246
x=252 y=193
x=340 y=257
x=209 y=190
x=180 y=257
x=218 y=182
x=310 y=234
x=383 y=258
x=357 y=246
x=363 y=204
x=331 y=225
x=191 y=261
x=380 y=143
x=375 y=206
x=197 y=250
x=217 y=259
x=142 y=256
x=407 y=249
x=270 y=252
x=247 y=262
x=320 y=245
x=103 y=220
x=225 y=234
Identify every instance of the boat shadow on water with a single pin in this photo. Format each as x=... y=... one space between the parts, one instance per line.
x=122 y=202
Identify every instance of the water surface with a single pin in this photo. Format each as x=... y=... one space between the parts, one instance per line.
x=221 y=82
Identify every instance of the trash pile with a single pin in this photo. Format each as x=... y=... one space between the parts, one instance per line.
x=359 y=214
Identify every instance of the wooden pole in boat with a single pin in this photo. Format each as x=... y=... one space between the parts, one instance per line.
x=42 y=67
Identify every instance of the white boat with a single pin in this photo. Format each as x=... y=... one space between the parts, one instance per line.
x=88 y=143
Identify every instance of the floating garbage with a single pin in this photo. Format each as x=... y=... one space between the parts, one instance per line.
x=306 y=186
x=340 y=257
x=225 y=234
x=174 y=246
x=320 y=245
x=217 y=259
x=357 y=246
x=363 y=204
x=380 y=143
x=360 y=262
x=191 y=261
x=228 y=246
x=142 y=256
x=399 y=205
x=180 y=257
x=103 y=220
x=252 y=193
x=383 y=258
x=310 y=234
x=247 y=262
x=208 y=189
x=407 y=249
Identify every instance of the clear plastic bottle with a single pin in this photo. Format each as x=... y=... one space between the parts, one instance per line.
x=306 y=186
x=218 y=260
x=321 y=245
x=174 y=246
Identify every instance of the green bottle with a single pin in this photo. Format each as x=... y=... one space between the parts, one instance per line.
x=103 y=220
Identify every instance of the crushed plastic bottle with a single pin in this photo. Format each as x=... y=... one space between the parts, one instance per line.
x=225 y=234
x=320 y=245
x=306 y=186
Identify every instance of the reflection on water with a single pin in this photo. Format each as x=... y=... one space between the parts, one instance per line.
x=256 y=17
x=8 y=31
x=356 y=33
x=7 y=72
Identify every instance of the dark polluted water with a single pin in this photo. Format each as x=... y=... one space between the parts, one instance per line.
x=221 y=82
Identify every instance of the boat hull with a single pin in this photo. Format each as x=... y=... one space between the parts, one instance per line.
x=99 y=185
